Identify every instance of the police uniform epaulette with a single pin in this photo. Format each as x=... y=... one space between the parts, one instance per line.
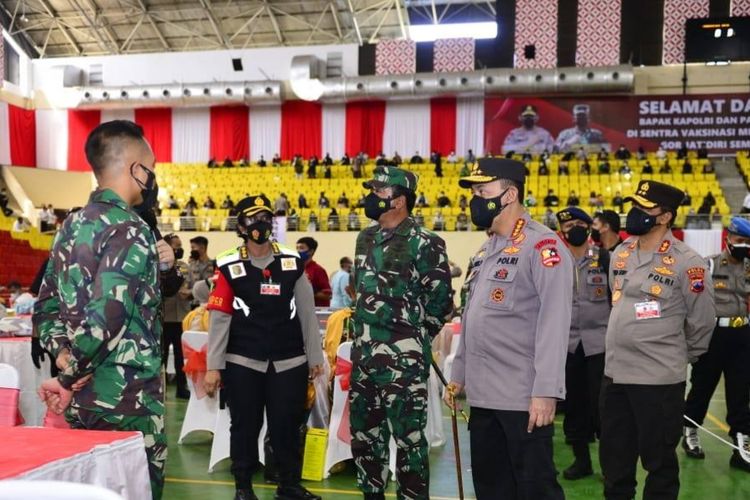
x=279 y=249
x=227 y=257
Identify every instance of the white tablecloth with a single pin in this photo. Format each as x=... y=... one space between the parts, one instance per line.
x=17 y=353
x=704 y=241
x=112 y=460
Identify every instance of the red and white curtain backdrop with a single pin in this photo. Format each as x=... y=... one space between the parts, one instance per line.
x=52 y=138
x=443 y=125
x=230 y=136
x=80 y=125
x=4 y=134
x=676 y=12
x=407 y=128
x=265 y=132
x=740 y=8
x=17 y=136
x=157 y=129
x=365 y=121
x=301 y=128
x=536 y=24
x=55 y=138
x=395 y=57
x=334 y=130
x=470 y=126
x=454 y=54
x=598 y=37
x=191 y=132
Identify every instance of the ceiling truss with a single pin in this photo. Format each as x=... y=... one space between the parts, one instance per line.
x=58 y=28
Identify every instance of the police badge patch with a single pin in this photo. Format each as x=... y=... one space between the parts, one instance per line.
x=237 y=271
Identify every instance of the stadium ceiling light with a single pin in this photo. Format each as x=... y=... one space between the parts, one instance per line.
x=432 y=32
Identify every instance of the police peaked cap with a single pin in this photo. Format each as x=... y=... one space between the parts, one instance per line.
x=253 y=205
x=492 y=169
x=652 y=194
x=740 y=227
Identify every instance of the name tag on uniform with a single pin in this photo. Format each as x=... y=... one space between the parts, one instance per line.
x=647 y=310
x=270 y=289
x=288 y=264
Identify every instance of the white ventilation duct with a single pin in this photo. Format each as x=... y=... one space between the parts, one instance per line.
x=609 y=79
x=196 y=94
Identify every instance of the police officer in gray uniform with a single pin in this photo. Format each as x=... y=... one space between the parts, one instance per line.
x=511 y=354
x=729 y=350
x=528 y=138
x=585 y=366
x=662 y=318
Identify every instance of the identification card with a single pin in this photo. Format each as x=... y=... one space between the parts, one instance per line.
x=647 y=310
x=270 y=289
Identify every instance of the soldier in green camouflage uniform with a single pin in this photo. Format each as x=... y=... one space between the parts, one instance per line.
x=98 y=304
x=403 y=288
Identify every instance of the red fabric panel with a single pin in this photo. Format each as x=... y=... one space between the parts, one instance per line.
x=230 y=132
x=443 y=124
x=157 y=128
x=301 y=128
x=22 y=125
x=365 y=121
x=80 y=125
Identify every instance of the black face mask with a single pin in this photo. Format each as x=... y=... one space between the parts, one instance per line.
x=258 y=232
x=194 y=255
x=739 y=252
x=596 y=236
x=179 y=253
x=639 y=222
x=484 y=210
x=149 y=190
x=376 y=206
x=577 y=235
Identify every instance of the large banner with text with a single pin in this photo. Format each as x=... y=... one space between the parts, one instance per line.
x=721 y=123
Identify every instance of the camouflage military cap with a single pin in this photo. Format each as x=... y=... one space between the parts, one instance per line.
x=254 y=204
x=392 y=176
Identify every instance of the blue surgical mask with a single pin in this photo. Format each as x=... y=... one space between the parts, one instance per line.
x=304 y=255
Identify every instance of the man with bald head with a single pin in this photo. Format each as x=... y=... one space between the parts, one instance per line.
x=98 y=304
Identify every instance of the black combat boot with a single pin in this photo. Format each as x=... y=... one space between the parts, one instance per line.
x=582 y=465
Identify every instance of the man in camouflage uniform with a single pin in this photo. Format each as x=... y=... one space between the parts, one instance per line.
x=403 y=290
x=581 y=134
x=99 y=301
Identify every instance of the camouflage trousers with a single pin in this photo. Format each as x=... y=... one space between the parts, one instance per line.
x=383 y=402
x=151 y=426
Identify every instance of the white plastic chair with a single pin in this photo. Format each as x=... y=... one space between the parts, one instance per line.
x=10 y=392
x=434 y=431
x=448 y=365
x=54 y=490
x=200 y=414
x=338 y=450
x=221 y=441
